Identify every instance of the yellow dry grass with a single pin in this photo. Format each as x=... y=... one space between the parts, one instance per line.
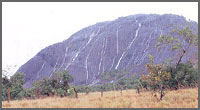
x=183 y=98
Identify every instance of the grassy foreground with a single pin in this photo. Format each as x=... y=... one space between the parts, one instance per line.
x=182 y=98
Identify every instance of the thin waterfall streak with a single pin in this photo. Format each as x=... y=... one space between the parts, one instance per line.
x=119 y=60
x=136 y=34
x=86 y=66
x=54 y=68
x=88 y=56
x=161 y=33
x=80 y=49
x=66 y=50
x=86 y=69
x=144 y=55
x=104 y=52
x=117 y=46
x=117 y=40
x=101 y=59
x=113 y=62
x=40 y=69
x=73 y=58
x=148 y=42
x=131 y=57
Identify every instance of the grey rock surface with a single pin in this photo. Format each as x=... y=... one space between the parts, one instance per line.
x=120 y=44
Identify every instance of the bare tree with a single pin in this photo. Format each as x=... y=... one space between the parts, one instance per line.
x=87 y=91
x=121 y=88
x=76 y=94
x=101 y=91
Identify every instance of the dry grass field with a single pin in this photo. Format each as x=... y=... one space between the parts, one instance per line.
x=183 y=98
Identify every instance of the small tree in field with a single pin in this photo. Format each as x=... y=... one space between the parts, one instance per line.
x=157 y=77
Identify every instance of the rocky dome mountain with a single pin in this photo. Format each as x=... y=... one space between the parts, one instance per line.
x=113 y=45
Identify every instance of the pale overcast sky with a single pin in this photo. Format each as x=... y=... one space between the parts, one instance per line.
x=28 y=27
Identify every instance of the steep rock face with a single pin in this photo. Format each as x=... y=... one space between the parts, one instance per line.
x=120 y=44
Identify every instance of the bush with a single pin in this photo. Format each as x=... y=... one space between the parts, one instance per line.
x=28 y=93
x=81 y=88
x=185 y=75
x=70 y=92
x=61 y=92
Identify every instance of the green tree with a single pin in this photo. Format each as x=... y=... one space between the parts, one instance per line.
x=16 y=90
x=61 y=92
x=66 y=78
x=59 y=83
x=185 y=34
x=182 y=46
x=5 y=85
x=45 y=86
x=184 y=75
x=28 y=93
x=6 y=82
x=70 y=92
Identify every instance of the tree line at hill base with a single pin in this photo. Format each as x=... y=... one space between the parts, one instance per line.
x=184 y=76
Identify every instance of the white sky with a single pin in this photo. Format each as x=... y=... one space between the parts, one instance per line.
x=28 y=27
